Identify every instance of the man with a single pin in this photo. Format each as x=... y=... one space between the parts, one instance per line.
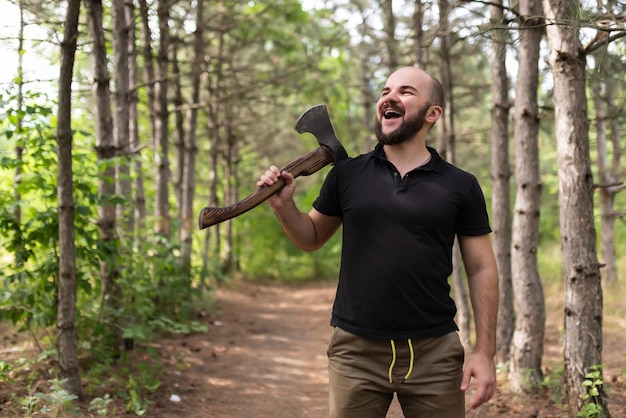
x=401 y=207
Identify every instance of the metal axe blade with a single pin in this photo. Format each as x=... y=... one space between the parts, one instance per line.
x=316 y=121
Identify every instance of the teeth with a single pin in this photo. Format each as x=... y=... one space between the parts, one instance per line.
x=389 y=114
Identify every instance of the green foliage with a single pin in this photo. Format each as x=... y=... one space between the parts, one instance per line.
x=100 y=406
x=156 y=297
x=5 y=371
x=592 y=406
x=57 y=402
x=142 y=379
x=29 y=278
x=553 y=381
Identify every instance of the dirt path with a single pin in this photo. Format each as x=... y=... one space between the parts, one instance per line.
x=265 y=357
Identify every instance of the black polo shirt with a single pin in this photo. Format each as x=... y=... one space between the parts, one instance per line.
x=397 y=243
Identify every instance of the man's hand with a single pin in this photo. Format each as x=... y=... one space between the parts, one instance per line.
x=483 y=369
x=283 y=196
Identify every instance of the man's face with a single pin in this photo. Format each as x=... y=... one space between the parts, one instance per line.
x=402 y=106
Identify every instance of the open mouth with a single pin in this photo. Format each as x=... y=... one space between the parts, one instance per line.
x=392 y=113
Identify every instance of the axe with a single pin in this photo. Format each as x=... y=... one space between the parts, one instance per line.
x=314 y=120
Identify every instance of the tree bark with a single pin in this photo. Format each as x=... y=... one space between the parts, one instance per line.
x=179 y=127
x=121 y=119
x=191 y=147
x=447 y=148
x=418 y=38
x=583 y=290
x=139 y=202
x=105 y=150
x=149 y=82
x=20 y=253
x=161 y=159
x=501 y=177
x=66 y=332
x=527 y=347
x=390 y=38
x=607 y=131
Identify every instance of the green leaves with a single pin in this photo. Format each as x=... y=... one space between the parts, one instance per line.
x=593 y=383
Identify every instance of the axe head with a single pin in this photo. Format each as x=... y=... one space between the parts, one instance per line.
x=315 y=120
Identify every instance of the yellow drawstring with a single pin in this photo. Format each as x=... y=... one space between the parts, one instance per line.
x=393 y=360
x=412 y=360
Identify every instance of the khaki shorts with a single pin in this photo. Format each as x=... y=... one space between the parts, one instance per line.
x=425 y=374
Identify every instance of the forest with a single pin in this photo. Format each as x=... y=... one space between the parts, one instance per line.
x=122 y=119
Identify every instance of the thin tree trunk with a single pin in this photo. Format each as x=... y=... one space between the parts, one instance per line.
x=179 y=129
x=66 y=332
x=501 y=177
x=608 y=173
x=20 y=254
x=367 y=99
x=161 y=158
x=447 y=147
x=121 y=121
x=390 y=39
x=581 y=272
x=139 y=216
x=215 y=132
x=149 y=81
x=191 y=147
x=615 y=135
x=527 y=347
x=105 y=150
x=607 y=199
x=418 y=19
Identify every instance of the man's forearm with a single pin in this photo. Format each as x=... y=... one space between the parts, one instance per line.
x=484 y=294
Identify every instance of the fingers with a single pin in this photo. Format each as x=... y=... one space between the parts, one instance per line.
x=483 y=371
x=484 y=392
x=270 y=176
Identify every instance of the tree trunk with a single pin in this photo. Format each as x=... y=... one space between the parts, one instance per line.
x=501 y=177
x=527 y=348
x=66 y=332
x=368 y=100
x=390 y=39
x=105 y=150
x=121 y=121
x=149 y=82
x=161 y=159
x=139 y=202
x=608 y=173
x=447 y=147
x=179 y=129
x=191 y=147
x=583 y=290
x=20 y=253
x=606 y=182
x=418 y=19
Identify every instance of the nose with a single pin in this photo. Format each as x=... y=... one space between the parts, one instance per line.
x=391 y=97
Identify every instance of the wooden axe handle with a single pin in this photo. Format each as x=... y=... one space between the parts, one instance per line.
x=303 y=166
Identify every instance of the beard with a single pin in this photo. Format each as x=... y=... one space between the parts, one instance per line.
x=407 y=129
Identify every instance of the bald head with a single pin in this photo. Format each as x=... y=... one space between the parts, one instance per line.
x=422 y=80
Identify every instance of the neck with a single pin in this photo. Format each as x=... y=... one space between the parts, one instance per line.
x=407 y=156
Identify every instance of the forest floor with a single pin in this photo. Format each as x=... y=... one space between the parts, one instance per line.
x=264 y=355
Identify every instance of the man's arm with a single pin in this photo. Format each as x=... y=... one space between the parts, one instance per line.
x=482 y=274
x=308 y=231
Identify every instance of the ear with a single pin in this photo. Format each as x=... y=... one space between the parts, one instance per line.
x=434 y=113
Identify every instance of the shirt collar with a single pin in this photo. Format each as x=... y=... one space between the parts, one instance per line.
x=436 y=163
